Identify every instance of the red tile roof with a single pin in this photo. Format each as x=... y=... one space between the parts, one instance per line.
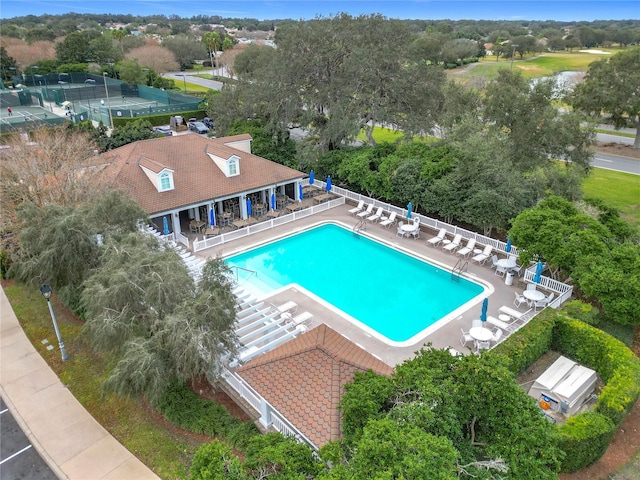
x=196 y=177
x=305 y=377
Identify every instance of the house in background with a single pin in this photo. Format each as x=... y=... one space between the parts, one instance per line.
x=185 y=177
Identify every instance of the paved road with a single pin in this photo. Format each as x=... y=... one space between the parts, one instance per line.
x=611 y=138
x=18 y=458
x=192 y=78
x=616 y=162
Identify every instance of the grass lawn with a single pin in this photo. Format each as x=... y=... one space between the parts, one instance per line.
x=622 y=190
x=166 y=453
x=537 y=66
x=382 y=135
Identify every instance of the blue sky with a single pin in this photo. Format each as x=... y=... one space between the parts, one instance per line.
x=573 y=10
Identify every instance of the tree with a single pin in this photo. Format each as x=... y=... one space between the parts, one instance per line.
x=7 y=65
x=185 y=49
x=612 y=86
x=60 y=244
x=154 y=57
x=75 y=48
x=130 y=71
x=53 y=168
x=212 y=41
x=142 y=305
x=128 y=133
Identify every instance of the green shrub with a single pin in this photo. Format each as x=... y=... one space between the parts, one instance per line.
x=184 y=408
x=215 y=461
x=525 y=346
x=581 y=311
x=585 y=438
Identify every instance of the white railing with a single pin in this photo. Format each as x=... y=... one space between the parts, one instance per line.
x=199 y=245
x=270 y=417
x=498 y=245
x=562 y=289
x=180 y=238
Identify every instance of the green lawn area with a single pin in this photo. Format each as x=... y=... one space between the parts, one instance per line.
x=535 y=66
x=382 y=135
x=615 y=132
x=622 y=190
x=129 y=421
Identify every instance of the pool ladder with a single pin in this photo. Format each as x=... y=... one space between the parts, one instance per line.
x=458 y=269
x=361 y=225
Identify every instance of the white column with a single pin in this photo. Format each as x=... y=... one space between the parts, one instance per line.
x=175 y=219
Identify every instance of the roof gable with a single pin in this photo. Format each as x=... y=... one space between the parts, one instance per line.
x=305 y=377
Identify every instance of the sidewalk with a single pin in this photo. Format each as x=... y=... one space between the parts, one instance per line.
x=67 y=437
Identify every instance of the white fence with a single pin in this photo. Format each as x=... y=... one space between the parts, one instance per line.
x=266 y=225
x=269 y=416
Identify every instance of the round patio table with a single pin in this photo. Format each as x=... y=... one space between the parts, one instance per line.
x=481 y=334
x=533 y=295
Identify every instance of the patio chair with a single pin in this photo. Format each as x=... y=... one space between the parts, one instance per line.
x=544 y=302
x=376 y=216
x=465 y=251
x=476 y=323
x=400 y=232
x=455 y=243
x=497 y=335
x=532 y=286
x=501 y=271
x=465 y=338
x=357 y=209
x=494 y=261
x=438 y=238
x=415 y=233
x=390 y=220
x=482 y=257
x=519 y=300
x=367 y=212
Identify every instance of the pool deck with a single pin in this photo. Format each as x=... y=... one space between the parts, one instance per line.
x=448 y=335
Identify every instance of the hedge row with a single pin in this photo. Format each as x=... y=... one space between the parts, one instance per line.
x=618 y=367
x=585 y=437
x=529 y=343
x=162 y=119
x=184 y=408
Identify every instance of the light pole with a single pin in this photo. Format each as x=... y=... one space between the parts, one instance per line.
x=45 y=290
x=513 y=54
x=184 y=79
x=104 y=77
x=33 y=77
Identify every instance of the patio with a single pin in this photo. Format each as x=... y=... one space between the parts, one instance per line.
x=448 y=335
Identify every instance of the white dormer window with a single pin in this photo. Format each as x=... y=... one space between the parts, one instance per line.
x=233 y=166
x=165 y=181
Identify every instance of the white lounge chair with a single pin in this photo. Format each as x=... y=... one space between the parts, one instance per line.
x=455 y=243
x=302 y=318
x=390 y=220
x=289 y=306
x=515 y=314
x=438 y=238
x=500 y=324
x=482 y=257
x=466 y=250
x=367 y=212
x=358 y=208
x=376 y=216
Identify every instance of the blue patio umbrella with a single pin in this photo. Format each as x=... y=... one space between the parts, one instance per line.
x=212 y=218
x=165 y=226
x=536 y=277
x=328 y=183
x=249 y=211
x=485 y=306
x=312 y=177
x=301 y=194
x=273 y=201
x=508 y=247
x=409 y=208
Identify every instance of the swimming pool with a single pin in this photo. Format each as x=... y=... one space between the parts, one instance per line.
x=389 y=292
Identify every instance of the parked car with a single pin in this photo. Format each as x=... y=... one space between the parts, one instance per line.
x=208 y=122
x=164 y=130
x=198 y=127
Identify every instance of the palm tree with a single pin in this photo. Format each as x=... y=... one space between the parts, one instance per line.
x=211 y=41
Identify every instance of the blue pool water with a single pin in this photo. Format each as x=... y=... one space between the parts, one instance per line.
x=392 y=293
